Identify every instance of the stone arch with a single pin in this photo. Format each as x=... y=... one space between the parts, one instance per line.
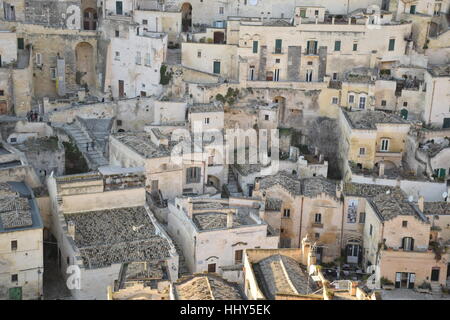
x=186 y=16
x=213 y=180
x=90 y=19
x=85 y=73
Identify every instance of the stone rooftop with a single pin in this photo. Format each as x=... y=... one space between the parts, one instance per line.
x=207 y=287
x=279 y=274
x=368 y=119
x=217 y=220
x=209 y=107
x=142 y=144
x=440 y=71
x=39 y=144
x=117 y=236
x=15 y=212
x=436 y=208
x=389 y=205
x=365 y=190
x=309 y=187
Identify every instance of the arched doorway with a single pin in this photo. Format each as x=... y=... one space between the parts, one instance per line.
x=90 y=19
x=186 y=16
x=85 y=74
x=281 y=101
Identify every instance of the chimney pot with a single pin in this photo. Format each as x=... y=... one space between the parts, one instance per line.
x=420 y=203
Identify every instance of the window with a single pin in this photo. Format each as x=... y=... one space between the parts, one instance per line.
x=334 y=100
x=303 y=13
x=199 y=53
x=362 y=151
x=383 y=103
x=278 y=44
x=404 y=224
x=277 y=75
x=405 y=104
x=119 y=122
x=370 y=230
x=362 y=217
x=362 y=102
x=311 y=47
x=255 y=46
x=119 y=7
x=206 y=120
x=286 y=213
x=351 y=99
x=316 y=13
x=335 y=76
x=14 y=278
x=384 y=145
x=238 y=256
x=193 y=175
x=148 y=59
x=117 y=57
x=221 y=10
x=20 y=44
x=117 y=33
x=391 y=44
x=412 y=9
x=14 y=245
x=277 y=60
x=318 y=218
x=2 y=92
x=266 y=117
x=38 y=59
x=144 y=21
x=408 y=244
x=310 y=63
x=216 y=67
x=317 y=236
x=309 y=74
x=138 y=57
x=337 y=45
x=53 y=73
x=355 y=47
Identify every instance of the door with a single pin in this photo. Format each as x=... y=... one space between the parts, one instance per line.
x=15 y=293
x=216 y=67
x=404 y=114
x=446 y=123
x=411 y=280
x=212 y=267
x=3 y=107
x=251 y=75
x=435 y=274
x=119 y=9
x=404 y=280
x=398 y=278
x=219 y=37
x=154 y=186
x=121 y=88
x=319 y=254
x=352 y=253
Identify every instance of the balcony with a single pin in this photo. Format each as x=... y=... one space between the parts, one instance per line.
x=388 y=154
x=317 y=225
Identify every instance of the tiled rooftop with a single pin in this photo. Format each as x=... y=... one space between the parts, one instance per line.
x=15 y=211
x=368 y=119
x=273 y=204
x=309 y=187
x=142 y=144
x=392 y=204
x=117 y=236
x=207 y=287
x=278 y=274
x=436 y=208
x=365 y=190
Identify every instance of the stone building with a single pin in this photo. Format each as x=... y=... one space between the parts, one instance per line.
x=21 y=243
x=101 y=221
x=299 y=208
x=213 y=233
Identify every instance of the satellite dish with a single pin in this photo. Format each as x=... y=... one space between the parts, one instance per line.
x=410 y=198
x=445 y=195
x=388 y=192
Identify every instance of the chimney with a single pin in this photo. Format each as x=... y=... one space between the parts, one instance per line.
x=420 y=203
x=320 y=158
x=230 y=219
x=71 y=229
x=381 y=169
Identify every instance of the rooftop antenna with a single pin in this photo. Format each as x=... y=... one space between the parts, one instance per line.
x=445 y=195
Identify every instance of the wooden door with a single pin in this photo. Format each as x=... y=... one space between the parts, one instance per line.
x=121 y=88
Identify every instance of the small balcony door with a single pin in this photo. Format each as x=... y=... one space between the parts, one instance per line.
x=435 y=274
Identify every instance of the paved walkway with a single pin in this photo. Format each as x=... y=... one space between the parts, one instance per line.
x=411 y=294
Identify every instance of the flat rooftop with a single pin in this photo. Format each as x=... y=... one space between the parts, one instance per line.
x=120 y=235
x=209 y=107
x=142 y=144
x=369 y=119
x=218 y=220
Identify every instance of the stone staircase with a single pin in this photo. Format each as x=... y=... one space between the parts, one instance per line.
x=93 y=156
x=232 y=185
x=436 y=288
x=182 y=268
x=173 y=56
